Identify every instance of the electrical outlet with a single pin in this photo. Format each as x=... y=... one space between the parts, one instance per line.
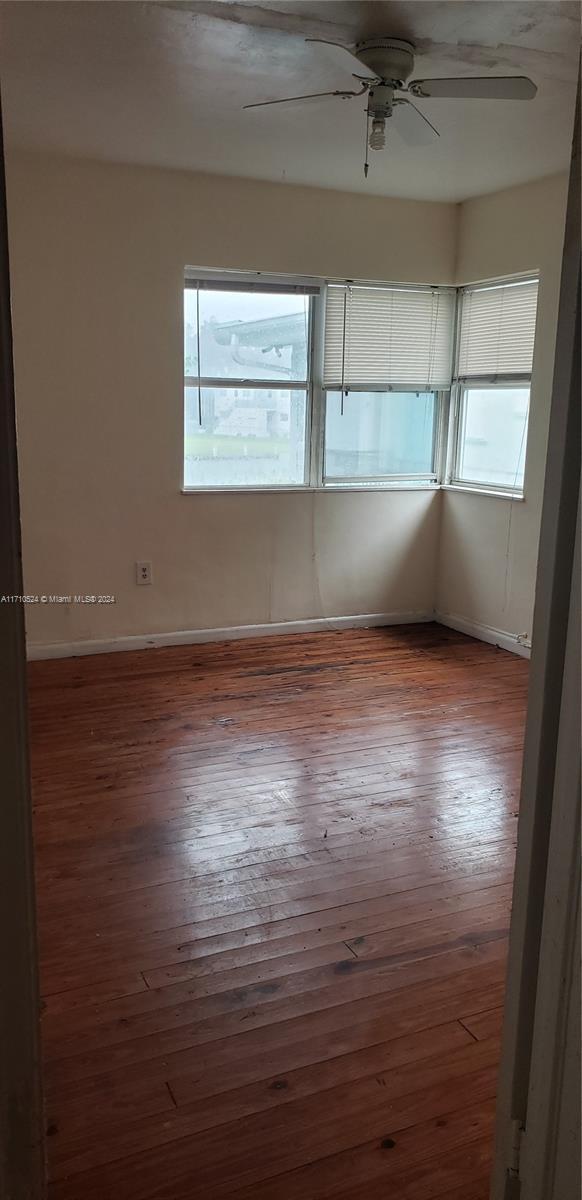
x=143 y=573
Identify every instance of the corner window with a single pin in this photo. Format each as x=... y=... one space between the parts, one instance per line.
x=297 y=383
x=247 y=354
x=492 y=391
x=387 y=356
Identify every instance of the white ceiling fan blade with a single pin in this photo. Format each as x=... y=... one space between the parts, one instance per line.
x=353 y=64
x=489 y=87
x=412 y=125
x=310 y=96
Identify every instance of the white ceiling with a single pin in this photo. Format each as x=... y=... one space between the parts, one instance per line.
x=164 y=84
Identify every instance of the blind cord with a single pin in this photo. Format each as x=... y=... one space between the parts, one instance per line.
x=511 y=503
x=433 y=337
x=344 y=353
x=499 y=330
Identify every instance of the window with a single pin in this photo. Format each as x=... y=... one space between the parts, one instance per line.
x=389 y=376
x=493 y=375
x=387 y=355
x=247 y=353
x=378 y=435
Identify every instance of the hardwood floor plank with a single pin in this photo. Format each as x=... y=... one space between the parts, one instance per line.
x=167 y=906
x=414 y=1164
x=299 y=1132
x=219 y=1063
x=93 y=993
x=221 y=1107
x=425 y=1182
x=274 y=884
x=484 y=1025
x=136 y=1015
x=145 y=1040
x=386 y=917
x=196 y=941
x=403 y=824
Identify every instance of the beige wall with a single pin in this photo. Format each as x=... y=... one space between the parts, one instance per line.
x=98 y=254
x=488 y=547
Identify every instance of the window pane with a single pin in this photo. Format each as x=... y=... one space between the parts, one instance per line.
x=379 y=433
x=246 y=335
x=493 y=436
x=249 y=437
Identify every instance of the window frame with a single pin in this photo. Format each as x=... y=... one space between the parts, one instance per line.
x=280 y=284
x=483 y=383
x=430 y=481
x=462 y=383
x=413 y=481
x=448 y=401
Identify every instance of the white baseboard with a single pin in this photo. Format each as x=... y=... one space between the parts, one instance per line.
x=514 y=642
x=185 y=637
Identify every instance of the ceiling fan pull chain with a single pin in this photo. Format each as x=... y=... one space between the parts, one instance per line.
x=343 y=387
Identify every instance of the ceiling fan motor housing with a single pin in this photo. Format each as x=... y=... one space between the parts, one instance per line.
x=391 y=59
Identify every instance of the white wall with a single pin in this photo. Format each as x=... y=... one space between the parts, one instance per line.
x=488 y=548
x=97 y=256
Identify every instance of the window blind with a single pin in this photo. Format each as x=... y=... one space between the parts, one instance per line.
x=264 y=287
x=497 y=329
x=382 y=338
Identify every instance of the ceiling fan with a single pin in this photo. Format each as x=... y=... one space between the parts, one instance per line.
x=383 y=66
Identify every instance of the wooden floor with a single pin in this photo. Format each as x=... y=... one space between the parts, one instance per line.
x=274 y=889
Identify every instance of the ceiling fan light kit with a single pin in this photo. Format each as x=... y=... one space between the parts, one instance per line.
x=382 y=67
x=377 y=138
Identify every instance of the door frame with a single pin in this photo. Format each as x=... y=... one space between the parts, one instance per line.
x=548 y=791
x=22 y=1168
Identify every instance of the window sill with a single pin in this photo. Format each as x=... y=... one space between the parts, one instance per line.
x=495 y=493
x=301 y=488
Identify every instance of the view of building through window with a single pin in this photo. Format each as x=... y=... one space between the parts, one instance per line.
x=247 y=437
x=239 y=430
